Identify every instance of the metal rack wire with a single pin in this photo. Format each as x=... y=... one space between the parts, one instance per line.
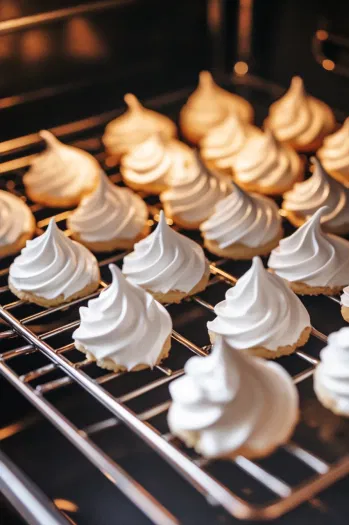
x=34 y=386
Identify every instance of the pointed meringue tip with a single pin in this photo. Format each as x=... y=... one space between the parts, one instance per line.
x=162 y=219
x=297 y=82
x=115 y=272
x=318 y=165
x=132 y=102
x=205 y=79
x=52 y=225
x=257 y=263
x=48 y=137
x=316 y=217
x=346 y=124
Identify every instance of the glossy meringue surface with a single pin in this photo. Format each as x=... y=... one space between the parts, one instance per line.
x=123 y=324
x=249 y=219
x=260 y=311
x=334 y=153
x=110 y=212
x=230 y=402
x=319 y=190
x=61 y=171
x=345 y=297
x=16 y=218
x=52 y=265
x=299 y=118
x=194 y=192
x=165 y=261
x=311 y=256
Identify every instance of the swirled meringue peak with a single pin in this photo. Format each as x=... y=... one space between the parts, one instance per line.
x=266 y=166
x=334 y=154
x=208 y=106
x=135 y=126
x=249 y=219
x=299 y=119
x=230 y=404
x=52 y=266
x=312 y=257
x=193 y=194
x=61 y=174
x=331 y=377
x=108 y=214
x=319 y=190
x=124 y=328
x=17 y=223
x=166 y=261
x=260 y=311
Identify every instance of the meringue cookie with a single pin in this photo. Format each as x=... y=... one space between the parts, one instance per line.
x=193 y=195
x=312 y=262
x=220 y=146
x=134 y=127
x=208 y=106
x=242 y=226
x=52 y=269
x=345 y=303
x=319 y=190
x=261 y=315
x=109 y=218
x=334 y=154
x=331 y=377
x=124 y=328
x=230 y=404
x=61 y=175
x=266 y=166
x=17 y=223
x=167 y=264
x=299 y=119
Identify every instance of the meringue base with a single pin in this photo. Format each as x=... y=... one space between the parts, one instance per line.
x=297 y=221
x=343 y=179
x=42 y=301
x=326 y=399
x=176 y=296
x=15 y=247
x=345 y=313
x=153 y=188
x=50 y=201
x=301 y=288
x=241 y=251
x=109 y=364
x=112 y=244
x=261 y=351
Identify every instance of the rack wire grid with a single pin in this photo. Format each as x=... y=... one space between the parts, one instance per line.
x=19 y=321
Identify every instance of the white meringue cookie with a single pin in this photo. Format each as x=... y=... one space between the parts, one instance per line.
x=298 y=118
x=229 y=404
x=16 y=220
x=250 y=219
x=320 y=190
x=135 y=126
x=108 y=214
x=193 y=194
x=260 y=311
x=345 y=297
x=312 y=257
x=334 y=153
x=61 y=174
x=166 y=261
x=124 y=328
x=52 y=265
x=331 y=377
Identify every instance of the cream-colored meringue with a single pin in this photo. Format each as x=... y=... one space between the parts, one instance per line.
x=334 y=153
x=165 y=261
x=331 y=377
x=345 y=297
x=135 y=126
x=250 y=219
x=320 y=190
x=260 y=311
x=311 y=256
x=300 y=119
x=266 y=166
x=61 y=174
x=124 y=326
x=16 y=219
x=221 y=144
x=109 y=213
x=52 y=265
x=208 y=106
x=193 y=194
x=229 y=404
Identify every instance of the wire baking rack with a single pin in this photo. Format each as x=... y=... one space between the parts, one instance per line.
x=19 y=322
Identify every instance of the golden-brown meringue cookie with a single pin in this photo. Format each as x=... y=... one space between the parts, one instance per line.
x=299 y=119
x=134 y=126
x=334 y=154
x=208 y=106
